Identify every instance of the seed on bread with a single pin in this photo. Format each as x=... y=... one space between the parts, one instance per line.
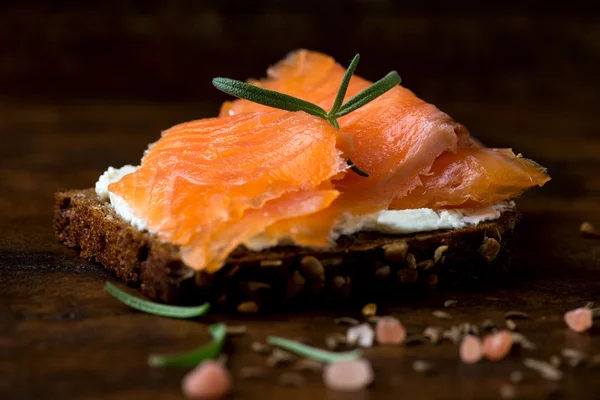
x=438 y=256
x=395 y=251
x=248 y=307
x=294 y=286
x=312 y=268
x=489 y=249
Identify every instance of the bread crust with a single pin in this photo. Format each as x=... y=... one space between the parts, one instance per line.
x=361 y=265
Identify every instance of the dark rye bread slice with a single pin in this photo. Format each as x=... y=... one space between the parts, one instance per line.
x=361 y=265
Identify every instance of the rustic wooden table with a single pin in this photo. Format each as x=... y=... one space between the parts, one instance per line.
x=63 y=337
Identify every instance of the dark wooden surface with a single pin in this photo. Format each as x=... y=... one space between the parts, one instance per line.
x=62 y=336
x=72 y=104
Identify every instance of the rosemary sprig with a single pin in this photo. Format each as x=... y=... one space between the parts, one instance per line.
x=312 y=352
x=194 y=357
x=156 y=308
x=282 y=101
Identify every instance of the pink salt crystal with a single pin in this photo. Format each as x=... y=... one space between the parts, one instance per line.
x=389 y=330
x=348 y=376
x=471 y=349
x=579 y=319
x=497 y=345
x=209 y=380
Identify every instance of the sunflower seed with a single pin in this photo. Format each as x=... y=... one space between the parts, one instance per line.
x=508 y=391
x=450 y=303
x=589 y=231
x=422 y=366
x=574 y=357
x=280 y=357
x=515 y=314
x=271 y=263
x=433 y=333
x=441 y=314
x=516 y=376
x=262 y=348
x=488 y=325
x=510 y=324
x=546 y=370
x=521 y=340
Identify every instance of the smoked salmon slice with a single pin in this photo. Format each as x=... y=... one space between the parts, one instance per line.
x=416 y=155
x=210 y=185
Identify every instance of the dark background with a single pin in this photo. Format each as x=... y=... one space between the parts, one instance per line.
x=85 y=85
x=473 y=51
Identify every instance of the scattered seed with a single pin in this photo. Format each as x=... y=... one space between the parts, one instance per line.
x=579 y=320
x=488 y=325
x=510 y=324
x=572 y=353
x=595 y=312
x=589 y=231
x=450 y=303
x=308 y=365
x=251 y=372
x=369 y=310
x=516 y=377
x=346 y=321
x=433 y=333
x=471 y=349
x=348 y=376
x=508 y=391
x=574 y=357
x=280 y=357
x=555 y=361
x=291 y=379
x=496 y=346
x=209 y=380
x=454 y=334
x=422 y=366
x=262 y=348
x=271 y=263
x=515 y=314
x=390 y=331
x=361 y=334
x=589 y=304
x=546 y=370
x=412 y=340
x=247 y=307
x=469 y=329
x=236 y=330
x=336 y=341
x=441 y=314
x=521 y=340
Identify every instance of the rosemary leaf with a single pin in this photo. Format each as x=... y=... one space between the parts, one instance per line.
x=156 y=308
x=372 y=92
x=344 y=86
x=357 y=170
x=194 y=357
x=267 y=97
x=312 y=352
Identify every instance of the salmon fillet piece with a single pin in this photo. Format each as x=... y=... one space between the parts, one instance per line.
x=210 y=185
x=398 y=140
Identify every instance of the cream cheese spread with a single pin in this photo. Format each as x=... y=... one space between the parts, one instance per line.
x=385 y=221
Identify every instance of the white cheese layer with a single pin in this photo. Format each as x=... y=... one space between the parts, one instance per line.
x=385 y=221
x=119 y=204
